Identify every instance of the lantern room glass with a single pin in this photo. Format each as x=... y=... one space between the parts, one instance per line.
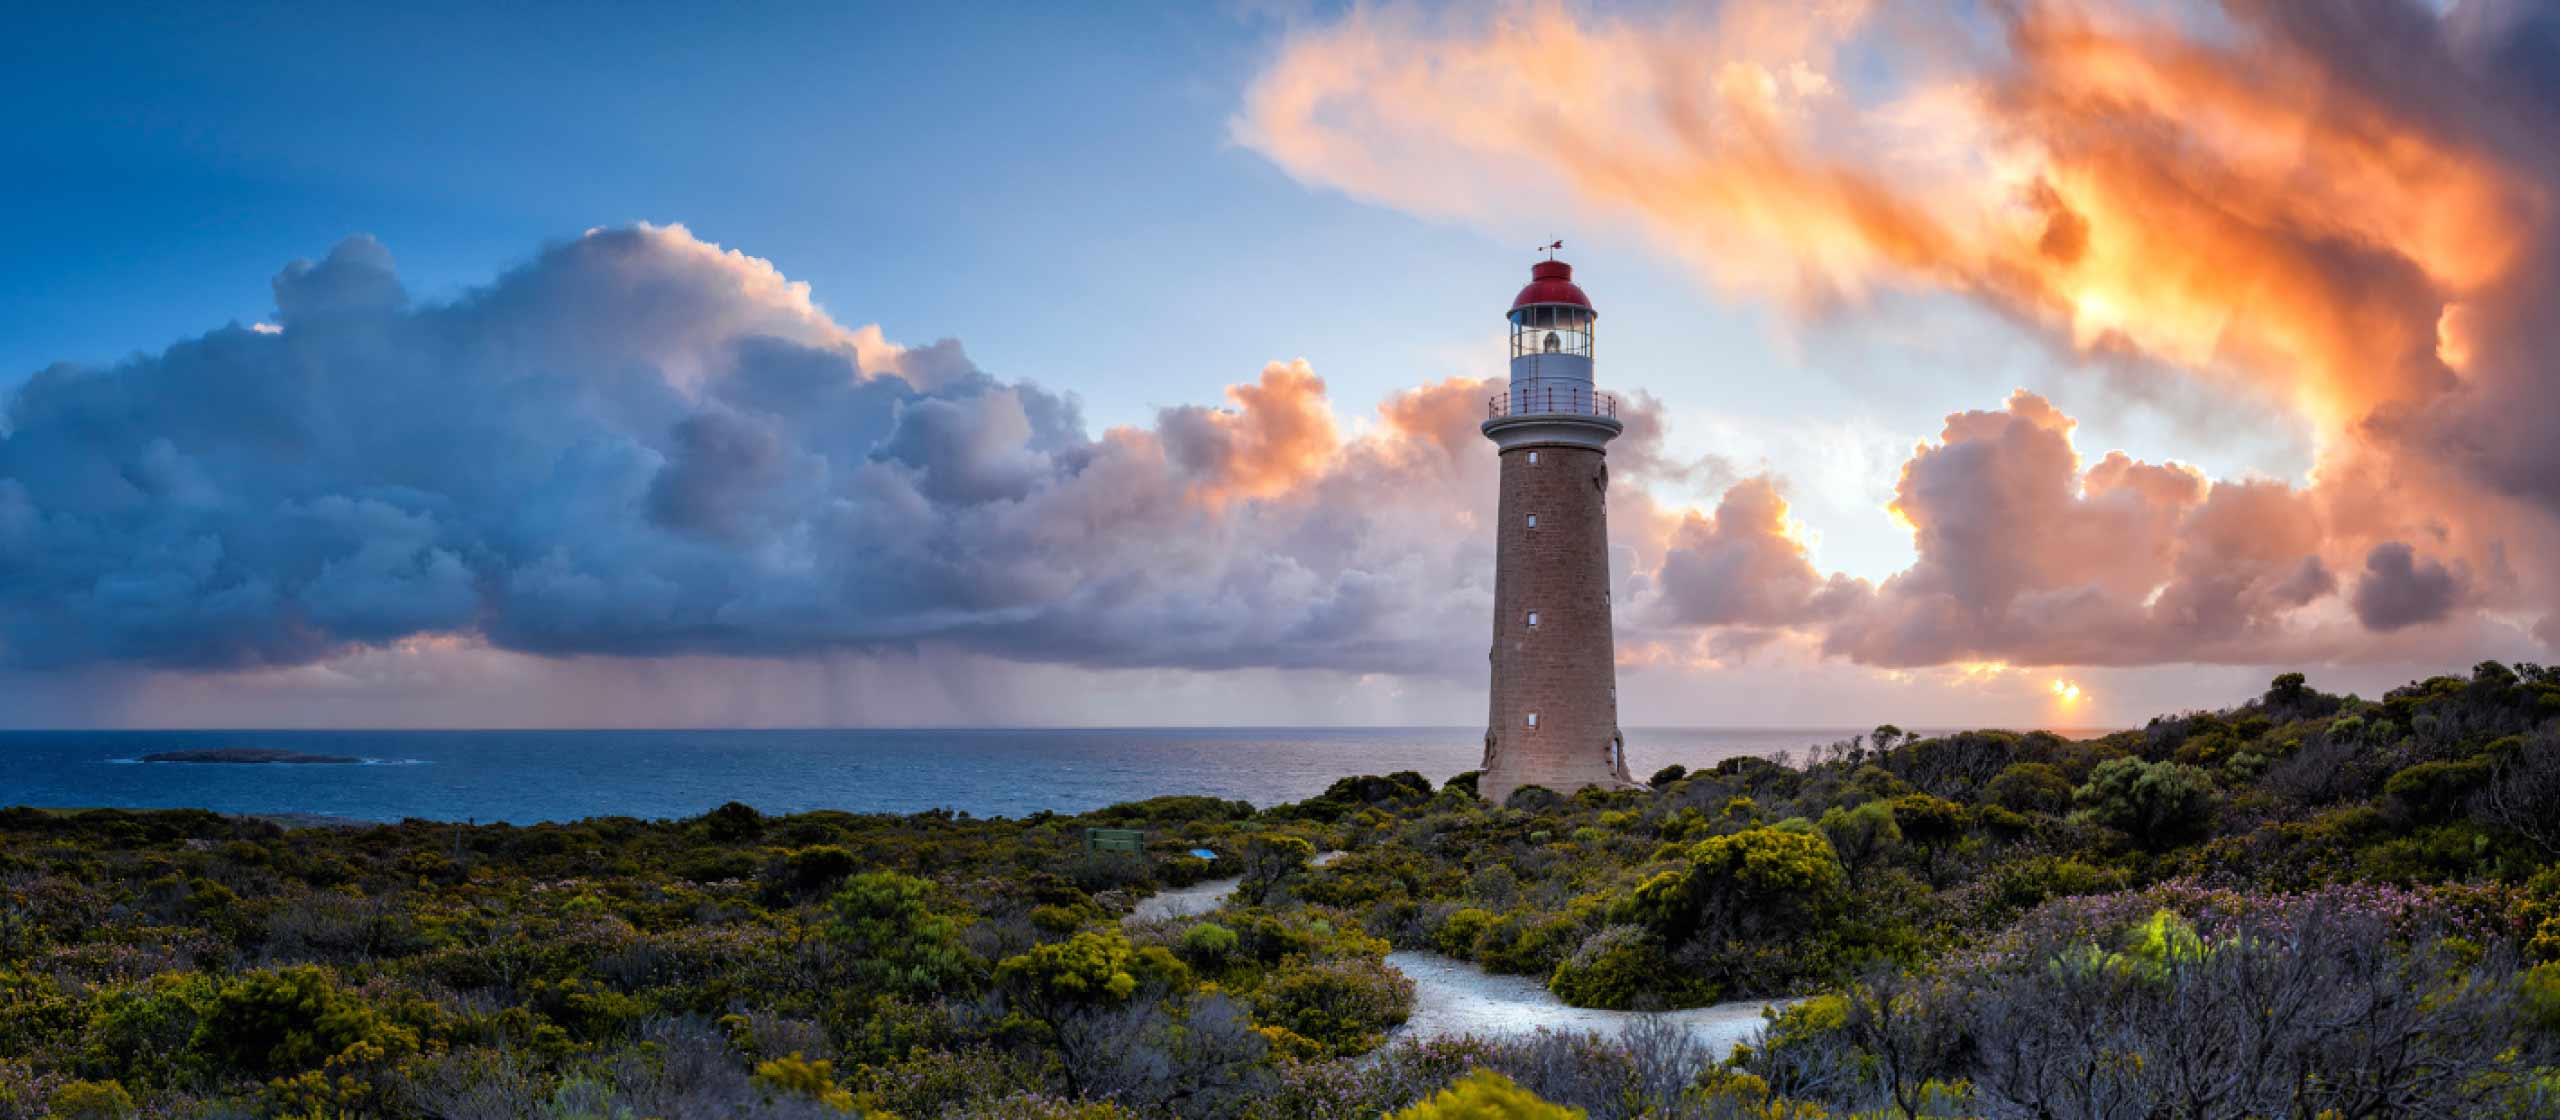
x=1550 y=328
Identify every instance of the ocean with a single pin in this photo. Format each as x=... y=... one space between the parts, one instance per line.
x=527 y=776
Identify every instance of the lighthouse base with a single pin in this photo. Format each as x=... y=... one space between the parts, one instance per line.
x=1504 y=776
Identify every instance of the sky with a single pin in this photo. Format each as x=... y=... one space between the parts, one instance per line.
x=2025 y=364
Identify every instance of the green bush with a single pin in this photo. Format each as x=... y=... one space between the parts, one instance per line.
x=1091 y=969
x=2160 y=804
x=140 y=1032
x=1534 y=799
x=1611 y=969
x=2538 y=989
x=2030 y=787
x=2436 y=791
x=2023 y=884
x=1761 y=881
x=283 y=1022
x=1486 y=1095
x=817 y=867
x=898 y=943
x=1458 y=935
x=1208 y=944
x=1861 y=835
x=92 y=1100
x=1344 y=1006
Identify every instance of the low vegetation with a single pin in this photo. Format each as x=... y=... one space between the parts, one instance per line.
x=2308 y=906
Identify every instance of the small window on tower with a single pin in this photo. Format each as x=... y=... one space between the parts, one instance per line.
x=1533 y=521
x=1533 y=719
x=1533 y=618
x=1533 y=456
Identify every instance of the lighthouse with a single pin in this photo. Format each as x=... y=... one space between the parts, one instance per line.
x=1553 y=718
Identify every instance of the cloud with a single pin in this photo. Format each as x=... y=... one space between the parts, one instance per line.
x=2027 y=557
x=1746 y=566
x=2348 y=208
x=639 y=444
x=2397 y=590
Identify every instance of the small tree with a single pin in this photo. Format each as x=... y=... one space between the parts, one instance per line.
x=1931 y=825
x=2030 y=787
x=1272 y=861
x=1861 y=835
x=2160 y=804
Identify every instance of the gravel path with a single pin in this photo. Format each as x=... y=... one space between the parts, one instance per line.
x=1201 y=897
x=1183 y=902
x=1454 y=997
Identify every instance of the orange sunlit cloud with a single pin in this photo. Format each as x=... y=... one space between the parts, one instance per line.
x=2250 y=195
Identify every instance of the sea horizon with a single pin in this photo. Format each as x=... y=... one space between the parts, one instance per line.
x=532 y=775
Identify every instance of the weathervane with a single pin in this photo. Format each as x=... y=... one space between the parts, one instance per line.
x=1551 y=248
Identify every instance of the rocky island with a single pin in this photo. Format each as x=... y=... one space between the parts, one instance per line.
x=247 y=755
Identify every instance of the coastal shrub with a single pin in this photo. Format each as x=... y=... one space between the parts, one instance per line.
x=1096 y=872
x=2159 y=804
x=1533 y=799
x=1486 y=1095
x=274 y=1023
x=2436 y=791
x=1527 y=942
x=814 y=868
x=1611 y=968
x=2030 y=787
x=1755 y=883
x=624 y=967
x=1457 y=936
x=897 y=942
x=731 y=822
x=1090 y=969
x=1183 y=870
x=1344 y=1006
x=1043 y=1106
x=1930 y=826
x=92 y=1100
x=2027 y=882
x=139 y=1032
x=1173 y=809
x=1667 y=775
x=1494 y=884
x=1861 y=835
x=1270 y=863
x=1404 y=787
x=1208 y=944
x=794 y=1075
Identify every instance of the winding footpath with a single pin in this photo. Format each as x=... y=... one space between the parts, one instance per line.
x=1452 y=997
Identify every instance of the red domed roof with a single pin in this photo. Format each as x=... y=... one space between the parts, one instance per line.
x=1551 y=282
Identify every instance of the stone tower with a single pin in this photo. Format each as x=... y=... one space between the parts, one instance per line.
x=1554 y=710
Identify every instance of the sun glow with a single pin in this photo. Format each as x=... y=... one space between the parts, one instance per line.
x=2067 y=692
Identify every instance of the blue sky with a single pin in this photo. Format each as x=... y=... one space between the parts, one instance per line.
x=1056 y=187
x=1068 y=192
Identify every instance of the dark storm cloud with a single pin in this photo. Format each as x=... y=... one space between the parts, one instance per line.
x=639 y=444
